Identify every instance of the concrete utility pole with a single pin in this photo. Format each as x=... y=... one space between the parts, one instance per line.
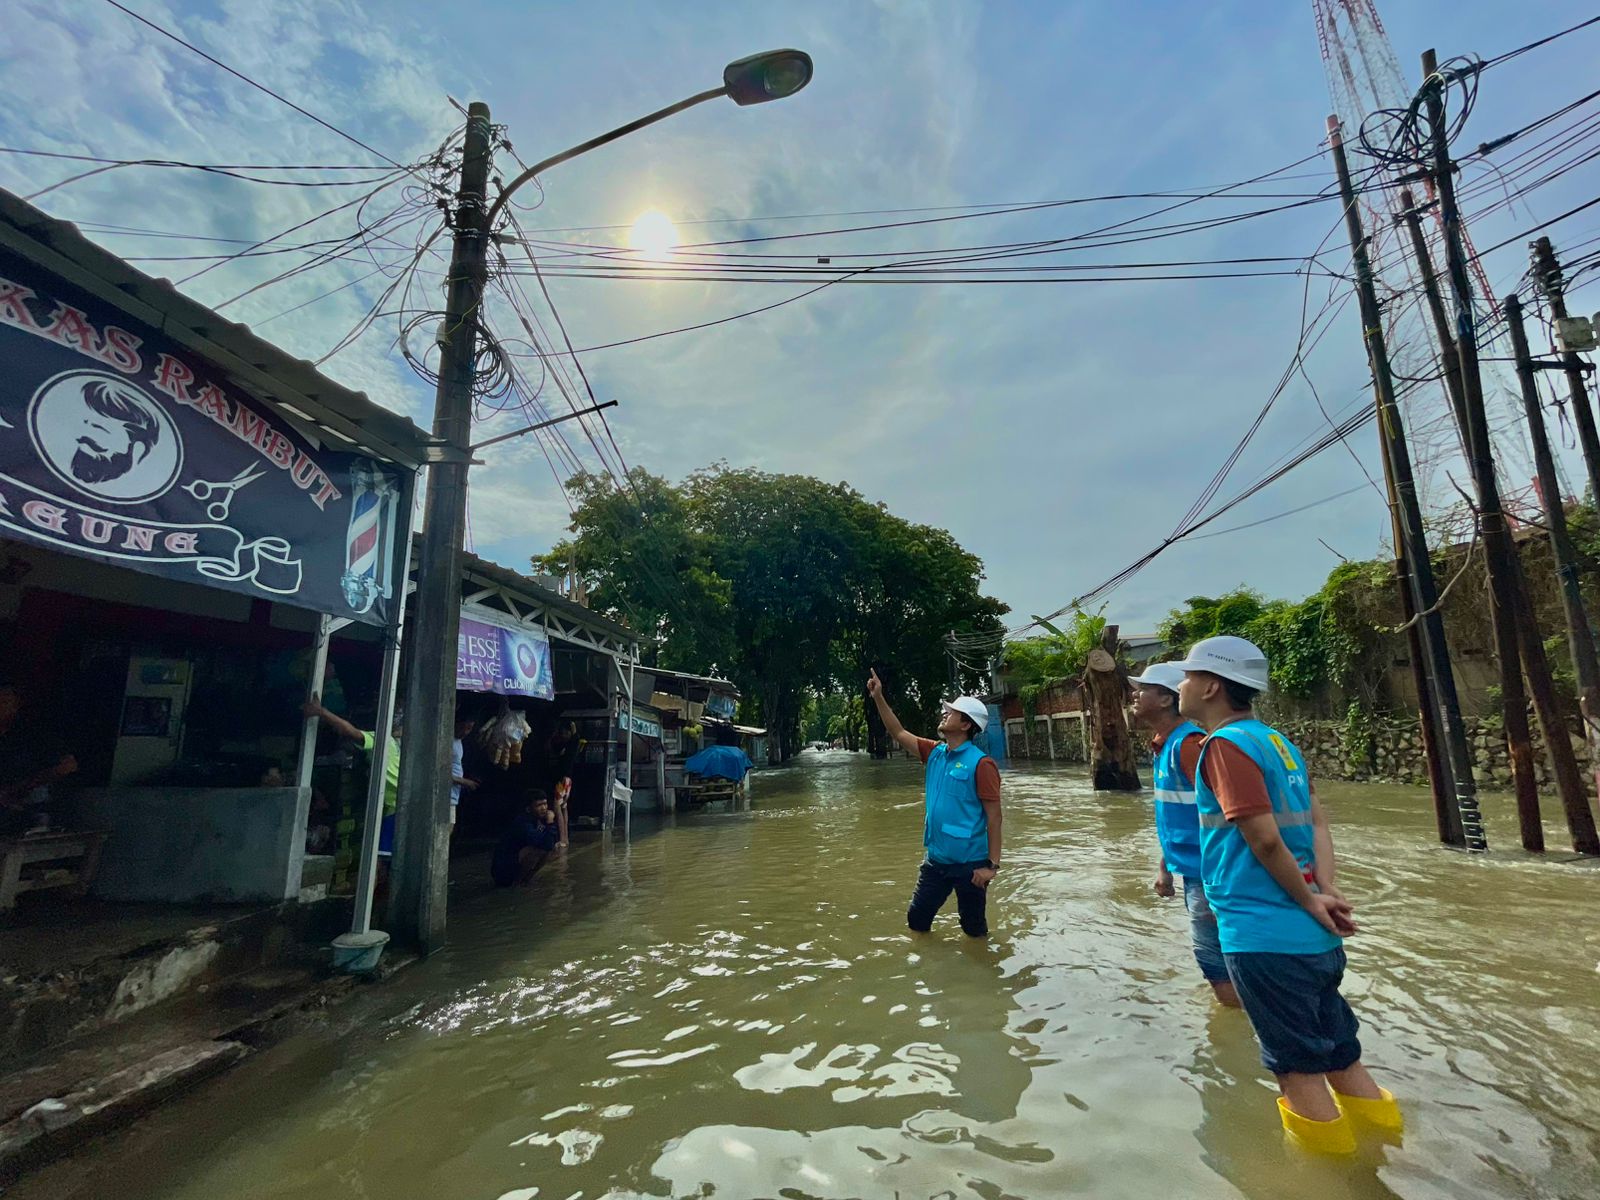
x=421 y=867
x=1547 y=275
x=1443 y=733
x=422 y=837
x=1580 y=637
x=1512 y=613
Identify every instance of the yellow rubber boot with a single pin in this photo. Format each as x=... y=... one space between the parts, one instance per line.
x=1322 y=1137
x=1382 y=1113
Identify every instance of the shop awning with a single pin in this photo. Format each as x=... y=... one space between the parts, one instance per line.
x=217 y=458
x=750 y=731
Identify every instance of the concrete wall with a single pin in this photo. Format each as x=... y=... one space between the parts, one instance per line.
x=192 y=844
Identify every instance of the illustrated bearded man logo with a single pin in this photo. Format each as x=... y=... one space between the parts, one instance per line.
x=105 y=437
x=119 y=430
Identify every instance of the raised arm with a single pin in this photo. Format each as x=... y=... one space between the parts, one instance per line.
x=891 y=723
x=313 y=708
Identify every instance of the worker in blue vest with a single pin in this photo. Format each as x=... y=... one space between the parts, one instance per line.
x=1266 y=856
x=1175 y=752
x=961 y=821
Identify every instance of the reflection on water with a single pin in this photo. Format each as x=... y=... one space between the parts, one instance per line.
x=730 y=1007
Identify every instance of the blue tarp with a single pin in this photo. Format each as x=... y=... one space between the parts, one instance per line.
x=720 y=762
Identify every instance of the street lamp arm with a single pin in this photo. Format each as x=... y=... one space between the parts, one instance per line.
x=592 y=143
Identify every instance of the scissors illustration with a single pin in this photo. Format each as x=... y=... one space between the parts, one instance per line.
x=217 y=510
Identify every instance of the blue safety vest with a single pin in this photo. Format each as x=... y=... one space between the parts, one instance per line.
x=1254 y=913
x=1177 y=818
x=954 y=829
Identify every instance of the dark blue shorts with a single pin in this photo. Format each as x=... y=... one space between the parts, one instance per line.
x=1293 y=1001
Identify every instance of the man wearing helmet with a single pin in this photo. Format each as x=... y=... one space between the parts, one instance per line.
x=1266 y=857
x=961 y=823
x=1175 y=751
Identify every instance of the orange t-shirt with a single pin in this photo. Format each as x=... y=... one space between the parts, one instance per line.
x=1235 y=780
x=986 y=778
x=1188 y=752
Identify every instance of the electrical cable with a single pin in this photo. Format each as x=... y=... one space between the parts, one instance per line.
x=349 y=137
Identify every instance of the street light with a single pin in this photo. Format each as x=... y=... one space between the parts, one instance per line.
x=774 y=75
x=771 y=75
x=422 y=842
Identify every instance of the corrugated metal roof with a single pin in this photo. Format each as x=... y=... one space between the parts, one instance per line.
x=343 y=417
x=471 y=564
x=710 y=680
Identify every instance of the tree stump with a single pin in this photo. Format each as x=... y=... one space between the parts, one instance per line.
x=1106 y=685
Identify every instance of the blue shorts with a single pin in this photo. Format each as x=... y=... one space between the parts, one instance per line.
x=1293 y=1001
x=1203 y=931
x=386 y=837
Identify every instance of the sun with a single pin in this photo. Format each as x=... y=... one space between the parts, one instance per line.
x=653 y=235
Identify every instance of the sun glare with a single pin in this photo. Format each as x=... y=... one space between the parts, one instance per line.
x=653 y=234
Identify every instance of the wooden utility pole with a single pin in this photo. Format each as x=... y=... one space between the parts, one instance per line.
x=1106 y=685
x=1579 y=636
x=1547 y=274
x=1508 y=604
x=1513 y=695
x=421 y=866
x=1411 y=216
x=1444 y=736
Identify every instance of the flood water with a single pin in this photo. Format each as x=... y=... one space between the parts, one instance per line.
x=730 y=1006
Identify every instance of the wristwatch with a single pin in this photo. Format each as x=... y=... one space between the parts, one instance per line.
x=993 y=866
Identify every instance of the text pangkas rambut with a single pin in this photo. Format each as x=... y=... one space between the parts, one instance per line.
x=119 y=349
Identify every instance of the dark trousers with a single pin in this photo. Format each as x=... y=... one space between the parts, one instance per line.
x=934 y=885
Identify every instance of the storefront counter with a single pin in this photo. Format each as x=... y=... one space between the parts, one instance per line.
x=188 y=845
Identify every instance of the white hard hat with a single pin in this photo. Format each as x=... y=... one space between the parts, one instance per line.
x=1167 y=675
x=970 y=706
x=1231 y=658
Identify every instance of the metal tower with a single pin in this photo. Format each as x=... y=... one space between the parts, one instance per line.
x=1364 y=76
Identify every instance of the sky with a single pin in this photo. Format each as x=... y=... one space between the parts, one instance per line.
x=1060 y=431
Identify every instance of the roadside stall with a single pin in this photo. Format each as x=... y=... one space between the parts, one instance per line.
x=187 y=518
x=562 y=672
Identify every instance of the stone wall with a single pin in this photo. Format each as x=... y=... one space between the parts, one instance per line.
x=1398 y=754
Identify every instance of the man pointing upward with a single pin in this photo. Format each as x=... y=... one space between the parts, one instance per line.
x=961 y=825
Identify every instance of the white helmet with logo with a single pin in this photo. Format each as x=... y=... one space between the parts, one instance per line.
x=1230 y=657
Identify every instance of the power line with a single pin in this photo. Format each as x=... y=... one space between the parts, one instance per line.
x=1520 y=50
x=261 y=87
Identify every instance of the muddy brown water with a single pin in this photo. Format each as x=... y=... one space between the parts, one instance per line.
x=730 y=1007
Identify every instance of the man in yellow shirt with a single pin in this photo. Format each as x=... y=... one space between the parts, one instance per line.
x=391 y=773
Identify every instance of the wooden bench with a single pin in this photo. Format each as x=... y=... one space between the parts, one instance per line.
x=81 y=848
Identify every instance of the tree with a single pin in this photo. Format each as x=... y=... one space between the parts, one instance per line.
x=1056 y=657
x=646 y=564
x=1205 y=616
x=790 y=586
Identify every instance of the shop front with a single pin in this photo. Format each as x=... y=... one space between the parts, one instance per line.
x=197 y=533
x=544 y=681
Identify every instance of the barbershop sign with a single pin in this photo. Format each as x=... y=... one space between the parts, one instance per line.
x=119 y=445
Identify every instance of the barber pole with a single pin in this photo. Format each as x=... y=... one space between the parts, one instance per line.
x=366 y=577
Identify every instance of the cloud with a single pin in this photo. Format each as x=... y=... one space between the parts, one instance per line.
x=1059 y=431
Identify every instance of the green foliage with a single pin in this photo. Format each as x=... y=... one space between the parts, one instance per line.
x=836 y=716
x=1359 y=739
x=1207 y=616
x=789 y=586
x=1059 y=656
x=647 y=565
